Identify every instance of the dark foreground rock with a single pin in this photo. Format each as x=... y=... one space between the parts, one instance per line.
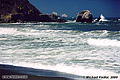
x=22 y=11
x=84 y=16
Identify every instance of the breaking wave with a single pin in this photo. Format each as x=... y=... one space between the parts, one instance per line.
x=104 y=42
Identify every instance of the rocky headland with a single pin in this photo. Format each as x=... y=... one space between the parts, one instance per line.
x=12 y=11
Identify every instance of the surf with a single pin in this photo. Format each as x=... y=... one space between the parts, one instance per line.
x=104 y=42
x=77 y=72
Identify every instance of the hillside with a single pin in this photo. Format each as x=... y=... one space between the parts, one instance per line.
x=21 y=11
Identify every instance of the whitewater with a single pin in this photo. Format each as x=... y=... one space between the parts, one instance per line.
x=83 y=49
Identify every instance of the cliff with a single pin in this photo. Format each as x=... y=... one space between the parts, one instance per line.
x=22 y=11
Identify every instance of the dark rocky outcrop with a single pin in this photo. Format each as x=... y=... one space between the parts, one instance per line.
x=22 y=11
x=57 y=18
x=84 y=16
x=101 y=18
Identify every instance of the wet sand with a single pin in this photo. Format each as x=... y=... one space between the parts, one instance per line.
x=29 y=73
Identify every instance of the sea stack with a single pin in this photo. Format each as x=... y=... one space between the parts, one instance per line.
x=101 y=18
x=84 y=16
x=13 y=11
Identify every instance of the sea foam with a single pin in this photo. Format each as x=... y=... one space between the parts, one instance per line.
x=76 y=70
x=104 y=42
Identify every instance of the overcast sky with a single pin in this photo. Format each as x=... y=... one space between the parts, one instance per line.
x=109 y=8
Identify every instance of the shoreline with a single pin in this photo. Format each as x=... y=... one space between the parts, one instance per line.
x=5 y=73
x=32 y=74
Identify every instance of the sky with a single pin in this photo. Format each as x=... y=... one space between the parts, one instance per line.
x=109 y=8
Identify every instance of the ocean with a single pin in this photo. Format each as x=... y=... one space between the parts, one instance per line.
x=83 y=49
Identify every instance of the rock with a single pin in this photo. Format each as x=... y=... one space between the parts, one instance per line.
x=97 y=19
x=57 y=18
x=22 y=11
x=101 y=18
x=84 y=16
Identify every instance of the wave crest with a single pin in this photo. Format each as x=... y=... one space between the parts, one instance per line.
x=104 y=42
